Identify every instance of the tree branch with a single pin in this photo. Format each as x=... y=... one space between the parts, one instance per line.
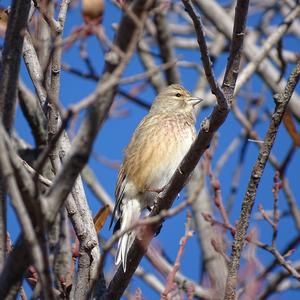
x=282 y=101
x=9 y=70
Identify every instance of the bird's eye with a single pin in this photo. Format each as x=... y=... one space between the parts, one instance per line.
x=178 y=95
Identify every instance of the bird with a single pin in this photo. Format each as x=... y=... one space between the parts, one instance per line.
x=157 y=147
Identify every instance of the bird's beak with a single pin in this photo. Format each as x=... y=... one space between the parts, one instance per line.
x=195 y=100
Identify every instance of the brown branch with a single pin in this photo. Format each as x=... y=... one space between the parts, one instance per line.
x=207 y=64
x=9 y=70
x=34 y=114
x=274 y=284
x=76 y=205
x=34 y=68
x=149 y=73
x=164 y=267
x=282 y=102
x=12 y=50
x=279 y=258
x=213 y=263
x=120 y=91
x=164 y=40
x=134 y=99
x=265 y=215
x=26 y=220
x=182 y=243
x=53 y=24
x=275 y=190
x=238 y=35
x=148 y=62
x=271 y=249
x=273 y=38
x=150 y=279
x=273 y=161
x=90 y=179
x=290 y=246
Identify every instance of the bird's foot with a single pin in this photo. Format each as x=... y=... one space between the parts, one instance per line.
x=180 y=171
x=156 y=190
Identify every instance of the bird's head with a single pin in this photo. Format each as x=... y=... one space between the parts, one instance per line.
x=175 y=98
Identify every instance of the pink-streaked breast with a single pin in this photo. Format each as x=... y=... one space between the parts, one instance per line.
x=157 y=148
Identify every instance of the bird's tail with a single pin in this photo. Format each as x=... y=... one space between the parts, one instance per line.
x=131 y=211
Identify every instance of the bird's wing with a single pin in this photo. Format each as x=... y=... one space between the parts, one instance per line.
x=137 y=146
x=119 y=192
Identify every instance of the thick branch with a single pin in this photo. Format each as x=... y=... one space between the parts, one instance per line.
x=214 y=263
x=207 y=64
x=164 y=40
x=11 y=59
x=9 y=70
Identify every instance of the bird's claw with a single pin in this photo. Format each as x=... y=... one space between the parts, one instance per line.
x=156 y=190
x=179 y=170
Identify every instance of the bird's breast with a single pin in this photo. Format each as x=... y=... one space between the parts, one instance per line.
x=176 y=140
x=161 y=149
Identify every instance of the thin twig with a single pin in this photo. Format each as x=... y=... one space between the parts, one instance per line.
x=182 y=243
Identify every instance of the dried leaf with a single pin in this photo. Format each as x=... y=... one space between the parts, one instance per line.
x=100 y=217
x=291 y=128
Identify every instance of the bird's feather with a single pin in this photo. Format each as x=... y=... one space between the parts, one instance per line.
x=131 y=210
x=119 y=194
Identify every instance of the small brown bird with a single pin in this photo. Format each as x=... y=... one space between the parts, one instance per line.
x=156 y=149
